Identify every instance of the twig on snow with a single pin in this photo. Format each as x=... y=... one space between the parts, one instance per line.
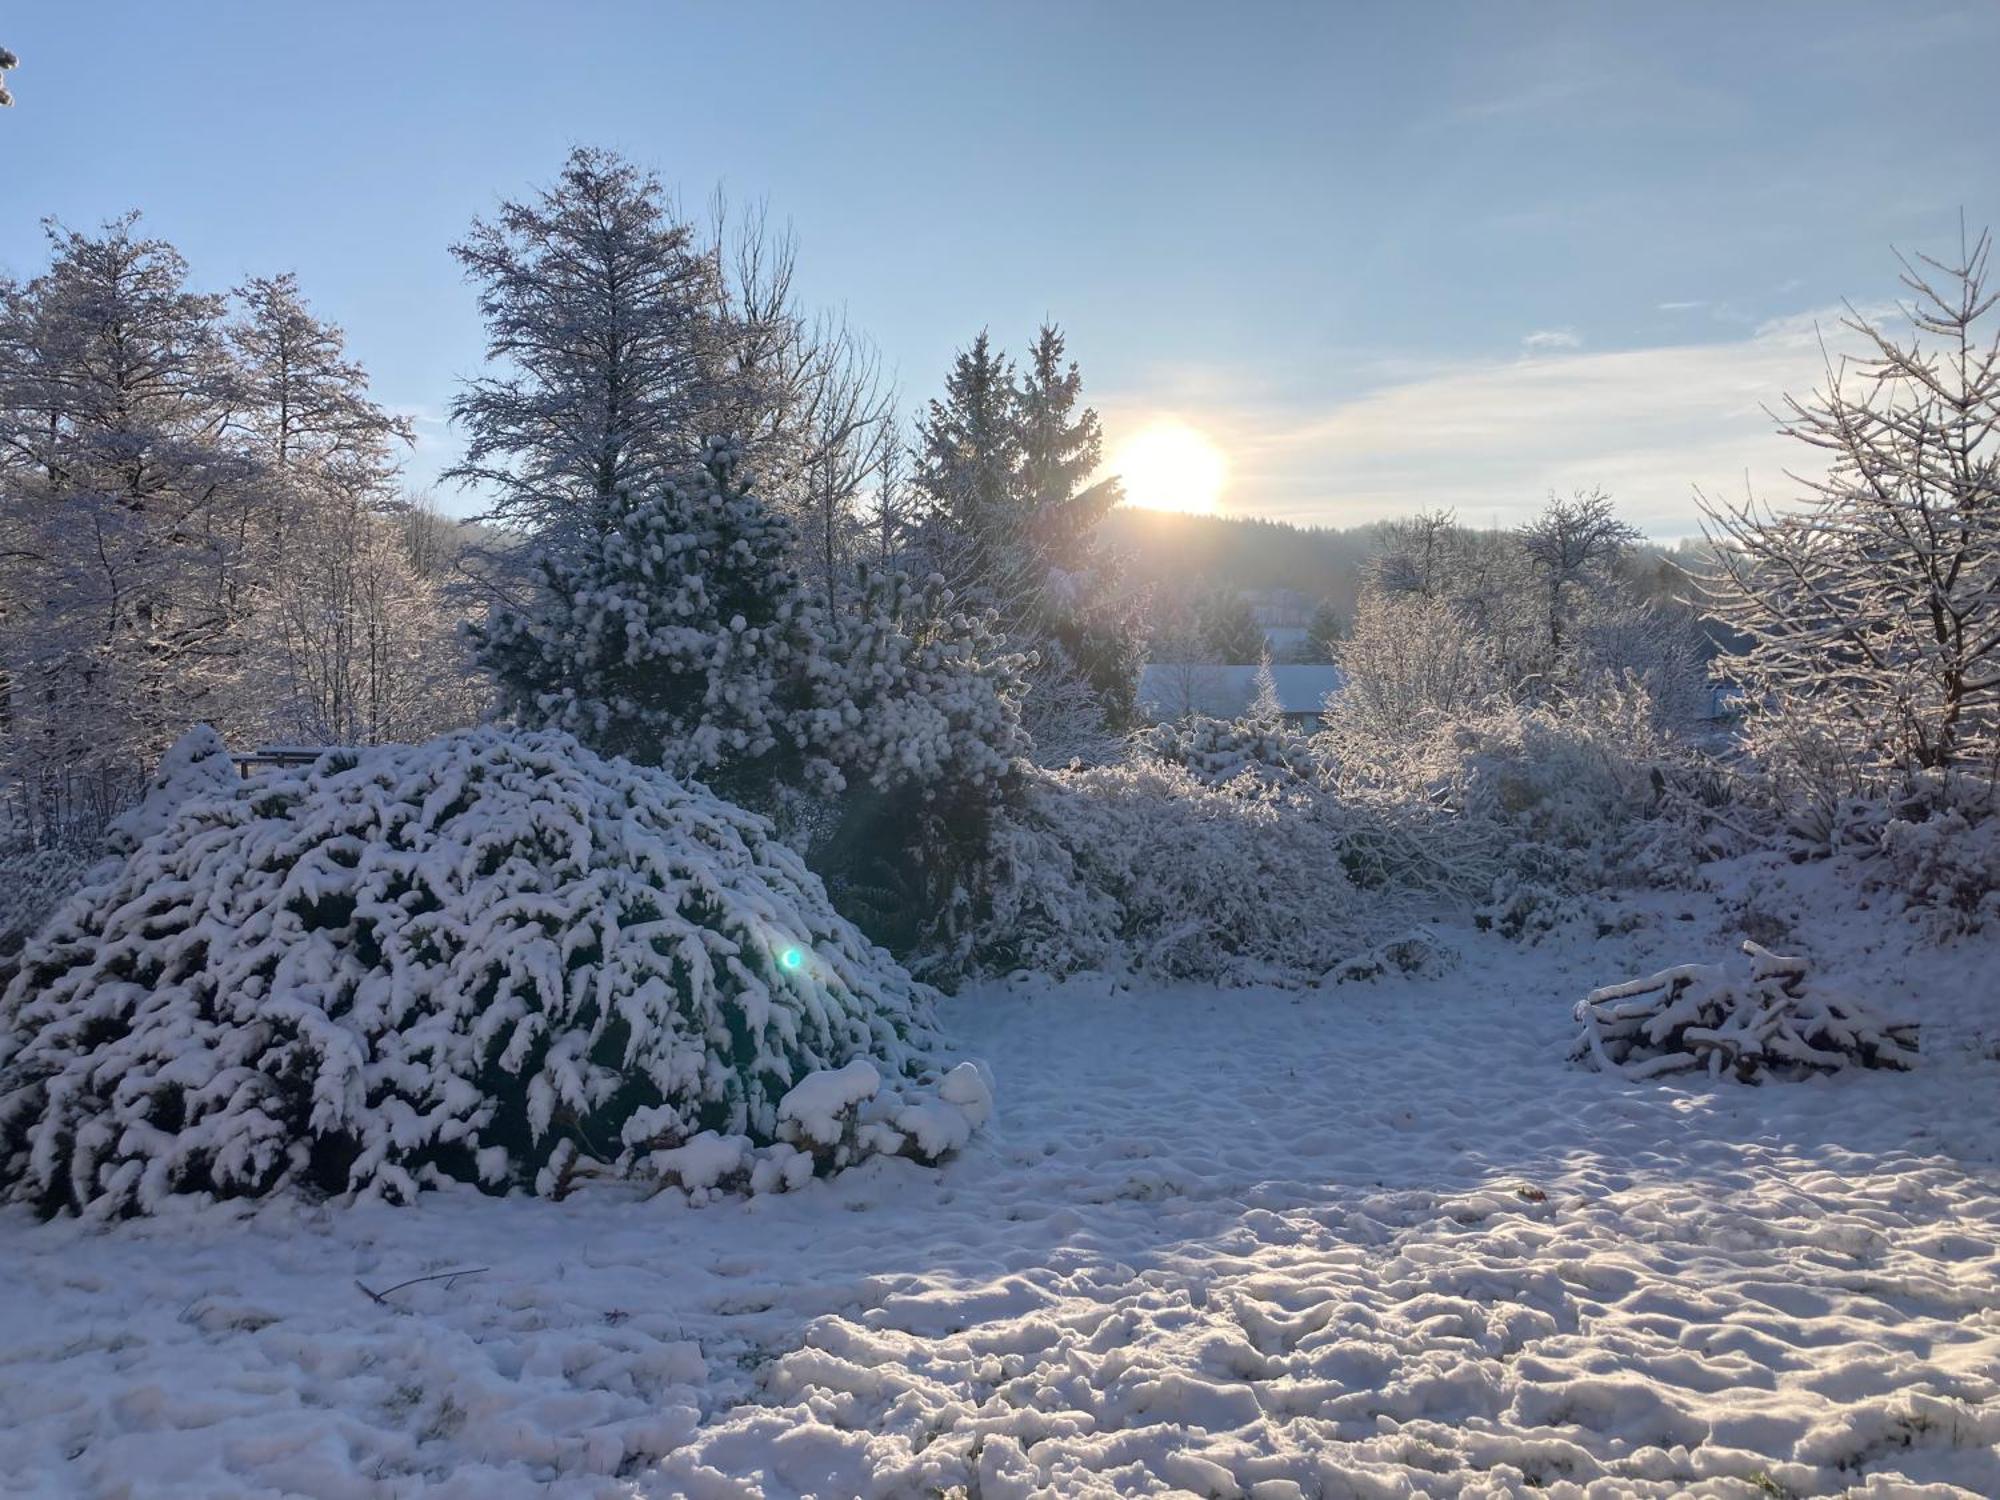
x=444 y=1276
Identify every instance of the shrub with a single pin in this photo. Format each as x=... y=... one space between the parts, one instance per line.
x=412 y=964
x=1771 y=1022
x=1146 y=867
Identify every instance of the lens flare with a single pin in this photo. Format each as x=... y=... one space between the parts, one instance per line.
x=791 y=958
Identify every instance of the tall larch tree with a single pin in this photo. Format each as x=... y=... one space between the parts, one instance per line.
x=601 y=312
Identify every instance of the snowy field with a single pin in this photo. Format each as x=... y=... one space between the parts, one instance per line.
x=1374 y=1240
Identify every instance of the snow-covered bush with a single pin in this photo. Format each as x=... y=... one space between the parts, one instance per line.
x=418 y=963
x=1146 y=867
x=197 y=765
x=1418 y=954
x=1582 y=790
x=1771 y=1020
x=829 y=1120
x=1948 y=862
x=1220 y=750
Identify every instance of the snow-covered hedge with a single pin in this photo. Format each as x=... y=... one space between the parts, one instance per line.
x=440 y=961
x=1567 y=796
x=1771 y=1020
x=1147 y=867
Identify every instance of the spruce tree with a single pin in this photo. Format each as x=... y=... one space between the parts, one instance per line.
x=969 y=468
x=670 y=638
x=1324 y=632
x=1229 y=629
x=1088 y=618
x=1004 y=465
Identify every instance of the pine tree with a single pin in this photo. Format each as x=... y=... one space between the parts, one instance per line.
x=670 y=639
x=1324 y=632
x=1230 y=629
x=8 y=61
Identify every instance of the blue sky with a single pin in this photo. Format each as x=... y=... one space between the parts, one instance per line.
x=1386 y=255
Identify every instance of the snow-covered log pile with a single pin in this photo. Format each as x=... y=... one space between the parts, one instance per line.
x=1773 y=1021
x=446 y=961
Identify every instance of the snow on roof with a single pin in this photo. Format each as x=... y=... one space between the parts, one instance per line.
x=1169 y=690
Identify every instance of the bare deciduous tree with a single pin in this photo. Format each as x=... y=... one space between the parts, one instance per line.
x=1873 y=609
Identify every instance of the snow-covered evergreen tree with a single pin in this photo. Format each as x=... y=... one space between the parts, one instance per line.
x=913 y=723
x=1267 y=709
x=1089 y=618
x=1003 y=464
x=969 y=464
x=8 y=62
x=1229 y=628
x=671 y=637
x=1324 y=632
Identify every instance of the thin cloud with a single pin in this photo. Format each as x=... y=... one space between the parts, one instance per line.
x=1491 y=439
x=1550 y=340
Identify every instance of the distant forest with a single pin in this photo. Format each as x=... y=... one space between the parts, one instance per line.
x=1176 y=556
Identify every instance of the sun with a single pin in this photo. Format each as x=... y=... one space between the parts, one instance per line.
x=1168 y=465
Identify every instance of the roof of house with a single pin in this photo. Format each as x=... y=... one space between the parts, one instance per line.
x=1168 y=690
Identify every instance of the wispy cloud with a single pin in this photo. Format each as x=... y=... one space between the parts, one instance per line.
x=1549 y=340
x=1493 y=438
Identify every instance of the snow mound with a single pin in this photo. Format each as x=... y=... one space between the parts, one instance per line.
x=1769 y=1023
x=490 y=958
x=831 y=1119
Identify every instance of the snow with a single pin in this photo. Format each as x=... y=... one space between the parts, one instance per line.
x=1376 y=1239
x=817 y=1102
x=1170 y=690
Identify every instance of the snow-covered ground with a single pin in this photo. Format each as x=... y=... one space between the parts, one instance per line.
x=1374 y=1240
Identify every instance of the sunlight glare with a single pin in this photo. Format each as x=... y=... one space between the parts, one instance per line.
x=1169 y=465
